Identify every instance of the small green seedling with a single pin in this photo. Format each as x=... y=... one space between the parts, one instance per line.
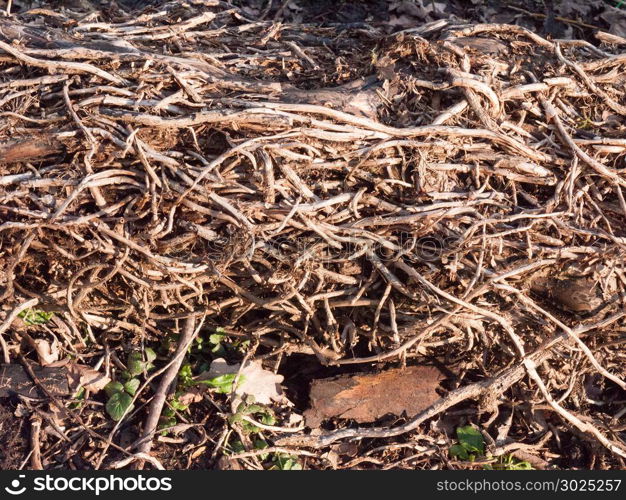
x=168 y=416
x=177 y=405
x=121 y=394
x=185 y=376
x=277 y=461
x=234 y=447
x=167 y=420
x=78 y=399
x=222 y=383
x=216 y=343
x=131 y=386
x=118 y=404
x=260 y=413
x=507 y=462
x=285 y=462
x=261 y=444
x=35 y=316
x=137 y=364
x=471 y=444
x=219 y=345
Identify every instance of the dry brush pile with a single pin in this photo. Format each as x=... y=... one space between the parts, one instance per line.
x=449 y=193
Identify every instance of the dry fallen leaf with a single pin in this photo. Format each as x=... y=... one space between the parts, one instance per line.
x=62 y=380
x=47 y=353
x=368 y=397
x=190 y=395
x=82 y=376
x=262 y=384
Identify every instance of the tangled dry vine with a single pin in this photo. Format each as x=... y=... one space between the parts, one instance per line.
x=326 y=191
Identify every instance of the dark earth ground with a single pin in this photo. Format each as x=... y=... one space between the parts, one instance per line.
x=568 y=19
x=557 y=18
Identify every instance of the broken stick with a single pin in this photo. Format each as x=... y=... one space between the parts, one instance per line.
x=158 y=401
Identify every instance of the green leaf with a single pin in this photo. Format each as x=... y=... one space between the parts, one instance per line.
x=215 y=345
x=268 y=419
x=249 y=428
x=166 y=422
x=118 y=404
x=185 y=375
x=177 y=405
x=265 y=414
x=79 y=399
x=285 y=462
x=254 y=408
x=131 y=386
x=216 y=338
x=235 y=418
x=35 y=316
x=135 y=363
x=223 y=383
x=471 y=439
x=242 y=346
x=458 y=451
x=150 y=355
x=237 y=446
x=260 y=444
x=113 y=388
x=259 y=412
x=507 y=462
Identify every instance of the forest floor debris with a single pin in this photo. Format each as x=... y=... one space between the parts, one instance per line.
x=316 y=201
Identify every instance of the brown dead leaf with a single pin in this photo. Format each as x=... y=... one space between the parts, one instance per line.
x=48 y=353
x=368 y=397
x=386 y=68
x=225 y=463
x=262 y=384
x=62 y=380
x=83 y=376
x=192 y=395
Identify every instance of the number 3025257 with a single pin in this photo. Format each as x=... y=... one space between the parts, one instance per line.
x=599 y=485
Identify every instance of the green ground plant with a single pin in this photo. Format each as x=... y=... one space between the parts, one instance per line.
x=120 y=392
x=471 y=448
